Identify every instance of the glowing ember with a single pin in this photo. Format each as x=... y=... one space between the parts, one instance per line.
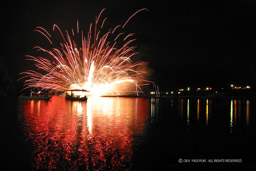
x=97 y=64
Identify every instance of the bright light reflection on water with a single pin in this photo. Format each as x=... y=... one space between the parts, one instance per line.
x=97 y=134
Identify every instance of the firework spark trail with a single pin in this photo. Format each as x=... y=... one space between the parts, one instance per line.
x=97 y=65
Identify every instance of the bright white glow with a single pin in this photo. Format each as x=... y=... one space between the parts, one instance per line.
x=152 y=92
x=77 y=93
x=89 y=82
x=79 y=109
x=101 y=89
x=97 y=89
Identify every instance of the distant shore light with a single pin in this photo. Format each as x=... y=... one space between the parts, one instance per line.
x=248 y=87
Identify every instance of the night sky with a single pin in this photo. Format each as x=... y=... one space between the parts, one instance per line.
x=186 y=43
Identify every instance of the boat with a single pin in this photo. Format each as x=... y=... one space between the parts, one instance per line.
x=71 y=96
x=36 y=96
x=76 y=98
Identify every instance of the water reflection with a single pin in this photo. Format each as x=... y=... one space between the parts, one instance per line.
x=97 y=134
x=202 y=110
x=181 y=107
x=198 y=110
x=207 y=112
x=187 y=111
x=101 y=134
x=247 y=111
x=154 y=106
x=231 y=114
x=237 y=107
x=235 y=112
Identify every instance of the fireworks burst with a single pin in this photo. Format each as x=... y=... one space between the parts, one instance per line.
x=100 y=63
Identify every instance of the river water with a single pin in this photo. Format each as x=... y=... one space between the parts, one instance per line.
x=119 y=133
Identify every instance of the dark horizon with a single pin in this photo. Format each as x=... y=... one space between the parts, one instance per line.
x=185 y=44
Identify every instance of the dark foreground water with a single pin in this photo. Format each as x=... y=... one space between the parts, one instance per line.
x=126 y=133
